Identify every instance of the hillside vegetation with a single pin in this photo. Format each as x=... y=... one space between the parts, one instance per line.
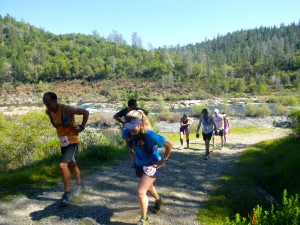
x=254 y=61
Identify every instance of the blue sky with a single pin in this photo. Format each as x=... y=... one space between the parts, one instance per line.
x=159 y=22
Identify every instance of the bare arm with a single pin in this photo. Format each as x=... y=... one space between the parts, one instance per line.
x=199 y=124
x=118 y=119
x=222 y=124
x=70 y=110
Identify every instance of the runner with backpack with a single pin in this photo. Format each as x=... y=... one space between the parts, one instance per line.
x=143 y=146
x=62 y=118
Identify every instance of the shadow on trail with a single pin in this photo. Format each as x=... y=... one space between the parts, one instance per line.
x=100 y=214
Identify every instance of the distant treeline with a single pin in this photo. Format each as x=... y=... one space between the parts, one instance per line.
x=255 y=61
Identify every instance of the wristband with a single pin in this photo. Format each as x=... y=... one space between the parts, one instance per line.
x=81 y=127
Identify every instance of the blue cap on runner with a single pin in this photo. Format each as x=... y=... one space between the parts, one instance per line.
x=132 y=122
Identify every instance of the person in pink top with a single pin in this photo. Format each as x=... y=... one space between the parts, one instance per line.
x=226 y=126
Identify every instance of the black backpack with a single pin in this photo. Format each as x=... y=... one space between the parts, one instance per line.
x=135 y=140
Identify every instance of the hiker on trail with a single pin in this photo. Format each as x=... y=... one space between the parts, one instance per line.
x=208 y=125
x=184 y=130
x=62 y=118
x=226 y=126
x=132 y=105
x=218 y=119
x=143 y=146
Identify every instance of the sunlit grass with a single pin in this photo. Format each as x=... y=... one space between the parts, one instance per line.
x=269 y=165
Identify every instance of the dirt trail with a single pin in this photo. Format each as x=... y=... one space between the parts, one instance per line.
x=184 y=183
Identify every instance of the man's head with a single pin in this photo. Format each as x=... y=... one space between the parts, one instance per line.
x=132 y=104
x=204 y=112
x=216 y=111
x=50 y=101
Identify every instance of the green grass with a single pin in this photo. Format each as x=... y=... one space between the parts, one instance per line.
x=271 y=165
x=249 y=130
x=31 y=179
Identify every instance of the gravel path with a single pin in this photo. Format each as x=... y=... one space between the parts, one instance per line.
x=184 y=183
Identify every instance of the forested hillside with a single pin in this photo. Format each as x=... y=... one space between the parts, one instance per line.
x=254 y=61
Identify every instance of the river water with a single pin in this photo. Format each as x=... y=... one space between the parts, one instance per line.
x=229 y=109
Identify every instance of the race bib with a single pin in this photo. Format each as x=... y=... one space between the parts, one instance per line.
x=63 y=140
x=149 y=170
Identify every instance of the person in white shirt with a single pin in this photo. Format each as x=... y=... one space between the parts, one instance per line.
x=219 y=131
x=208 y=126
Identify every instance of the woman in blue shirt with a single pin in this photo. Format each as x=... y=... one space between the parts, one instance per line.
x=143 y=146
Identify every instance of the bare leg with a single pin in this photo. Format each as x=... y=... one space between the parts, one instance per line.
x=222 y=140
x=181 y=140
x=144 y=185
x=207 y=146
x=152 y=191
x=187 y=140
x=75 y=171
x=65 y=173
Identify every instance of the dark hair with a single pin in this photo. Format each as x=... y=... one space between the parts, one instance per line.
x=204 y=111
x=131 y=102
x=51 y=95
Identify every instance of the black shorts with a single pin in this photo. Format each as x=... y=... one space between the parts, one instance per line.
x=219 y=132
x=68 y=153
x=139 y=171
x=207 y=136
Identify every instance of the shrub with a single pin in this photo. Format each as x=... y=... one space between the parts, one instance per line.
x=227 y=109
x=90 y=137
x=280 y=110
x=285 y=100
x=295 y=118
x=164 y=112
x=287 y=213
x=196 y=110
x=257 y=110
x=27 y=139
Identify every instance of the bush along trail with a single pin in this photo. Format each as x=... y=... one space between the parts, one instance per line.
x=185 y=184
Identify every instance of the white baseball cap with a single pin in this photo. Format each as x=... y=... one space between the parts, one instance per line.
x=216 y=111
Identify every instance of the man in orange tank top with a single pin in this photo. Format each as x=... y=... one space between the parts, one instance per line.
x=62 y=118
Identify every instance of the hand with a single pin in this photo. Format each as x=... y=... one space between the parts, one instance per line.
x=159 y=164
x=77 y=129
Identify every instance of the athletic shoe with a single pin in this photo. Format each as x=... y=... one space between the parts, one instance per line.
x=181 y=147
x=157 y=207
x=65 y=198
x=222 y=147
x=206 y=157
x=143 y=222
x=81 y=187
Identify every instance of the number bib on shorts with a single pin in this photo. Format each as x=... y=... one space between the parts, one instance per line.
x=63 y=140
x=149 y=170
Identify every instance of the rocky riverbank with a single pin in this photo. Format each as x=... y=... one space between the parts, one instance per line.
x=236 y=121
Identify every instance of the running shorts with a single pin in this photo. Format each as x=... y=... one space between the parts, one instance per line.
x=68 y=153
x=185 y=130
x=219 y=132
x=152 y=172
x=207 y=136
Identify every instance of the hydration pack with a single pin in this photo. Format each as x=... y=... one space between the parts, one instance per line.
x=139 y=140
x=65 y=119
